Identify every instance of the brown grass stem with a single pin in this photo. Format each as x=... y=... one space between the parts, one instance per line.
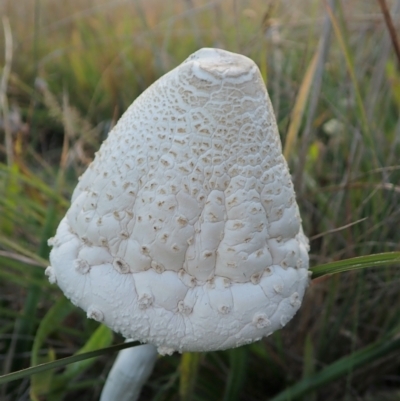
x=391 y=29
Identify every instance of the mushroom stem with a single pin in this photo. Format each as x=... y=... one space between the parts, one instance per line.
x=130 y=371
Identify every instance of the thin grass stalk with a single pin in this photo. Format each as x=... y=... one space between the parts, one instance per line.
x=355 y=316
x=361 y=262
x=309 y=363
x=157 y=56
x=340 y=368
x=34 y=181
x=277 y=59
x=271 y=47
x=39 y=261
x=3 y=90
x=378 y=76
x=62 y=362
x=379 y=72
x=193 y=22
x=35 y=291
x=15 y=278
x=40 y=384
x=188 y=368
x=26 y=324
x=35 y=57
x=68 y=134
x=391 y=29
x=20 y=258
x=335 y=230
x=237 y=373
x=352 y=162
x=324 y=46
x=351 y=71
x=299 y=107
x=326 y=331
x=393 y=156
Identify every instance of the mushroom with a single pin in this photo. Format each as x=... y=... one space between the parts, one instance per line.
x=184 y=232
x=130 y=371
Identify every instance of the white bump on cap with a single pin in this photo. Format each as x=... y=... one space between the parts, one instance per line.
x=95 y=314
x=49 y=272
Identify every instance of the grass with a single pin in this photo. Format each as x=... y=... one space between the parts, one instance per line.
x=70 y=70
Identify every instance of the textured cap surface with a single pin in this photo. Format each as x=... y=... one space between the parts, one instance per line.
x=184 y=231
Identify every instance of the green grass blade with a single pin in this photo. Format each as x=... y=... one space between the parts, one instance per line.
x=10 y=244
x=49 y=323
x=188 y=374
x=361 y=262
x=60 y=363
x=33 y=181
x=237 y=373
x=101 y=338
x=341 y=38
x=11 y=194
x=16 y=276
x=341 y=368
x=299 y=106
x=26 y=326
x=309 y=364
x=40 y=383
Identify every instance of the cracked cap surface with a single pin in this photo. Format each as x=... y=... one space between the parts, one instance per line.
x=184 y=231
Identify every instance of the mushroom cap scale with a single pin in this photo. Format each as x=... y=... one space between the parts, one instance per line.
x=184 y=231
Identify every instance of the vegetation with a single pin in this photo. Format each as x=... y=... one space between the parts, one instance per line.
x=69 y=69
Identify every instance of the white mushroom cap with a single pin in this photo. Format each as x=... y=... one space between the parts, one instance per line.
x=184 y=231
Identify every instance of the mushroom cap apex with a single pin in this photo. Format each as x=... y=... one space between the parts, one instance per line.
x=220 y=64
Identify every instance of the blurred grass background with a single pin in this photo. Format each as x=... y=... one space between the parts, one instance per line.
x=70 y=69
